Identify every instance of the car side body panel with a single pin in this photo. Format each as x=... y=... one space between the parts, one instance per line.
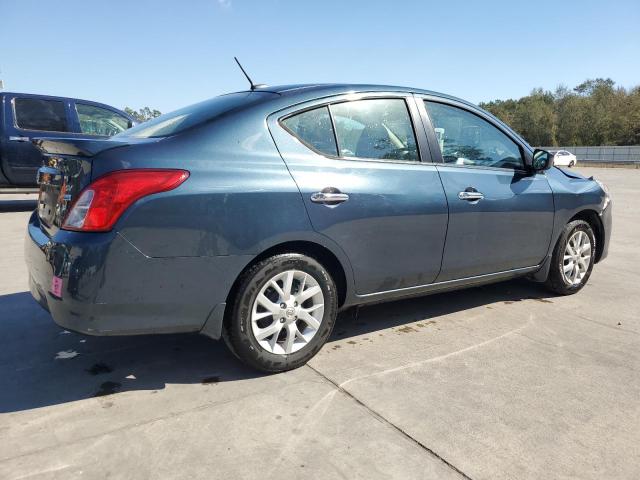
x=509 y=228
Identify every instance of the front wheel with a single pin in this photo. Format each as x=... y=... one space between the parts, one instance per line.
x=572 y=259
x=283 y=312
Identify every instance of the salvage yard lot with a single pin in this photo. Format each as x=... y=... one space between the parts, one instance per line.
x=501 y=381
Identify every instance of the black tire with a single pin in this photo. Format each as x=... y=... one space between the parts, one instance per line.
x=555 y=280
x=238 y=332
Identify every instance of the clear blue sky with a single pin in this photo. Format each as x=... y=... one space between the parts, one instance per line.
x=167 y=54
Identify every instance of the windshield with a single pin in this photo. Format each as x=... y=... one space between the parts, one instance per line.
x=187 y=117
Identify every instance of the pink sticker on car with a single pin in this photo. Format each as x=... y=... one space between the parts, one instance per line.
x=56 y=286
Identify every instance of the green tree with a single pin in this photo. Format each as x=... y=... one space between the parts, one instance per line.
x=632 y=118
x=569 y=109
x=588 y=87
x=596 y=112
x=143 y=114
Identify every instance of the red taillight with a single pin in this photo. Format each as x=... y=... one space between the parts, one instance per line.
x=100 y=204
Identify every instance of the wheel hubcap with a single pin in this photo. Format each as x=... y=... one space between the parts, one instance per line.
x=287 y=312
x=577 y=257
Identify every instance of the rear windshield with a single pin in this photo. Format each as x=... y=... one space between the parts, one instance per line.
x=187 y=117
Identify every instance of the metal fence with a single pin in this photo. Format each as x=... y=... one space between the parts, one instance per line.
x=604 y=154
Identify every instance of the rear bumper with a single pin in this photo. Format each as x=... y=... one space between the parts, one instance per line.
x=110 y=288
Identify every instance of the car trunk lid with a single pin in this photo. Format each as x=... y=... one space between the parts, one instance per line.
x=65 y=172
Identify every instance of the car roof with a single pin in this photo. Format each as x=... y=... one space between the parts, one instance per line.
x=316 y=90
x=50 y=97
x=298 y=93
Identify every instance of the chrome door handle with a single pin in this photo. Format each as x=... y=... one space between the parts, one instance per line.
x=329 y=198
x=18 y=139
x=470 y=196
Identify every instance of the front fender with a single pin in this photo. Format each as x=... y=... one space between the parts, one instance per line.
x=573 y=196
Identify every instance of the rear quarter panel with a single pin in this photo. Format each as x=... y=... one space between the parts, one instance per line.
x=238 y=198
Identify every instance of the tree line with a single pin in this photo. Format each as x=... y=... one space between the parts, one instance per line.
x=143 y=114
x=596 y=112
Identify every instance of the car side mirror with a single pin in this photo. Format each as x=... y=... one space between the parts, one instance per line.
x=132 y=123
x=541 y=160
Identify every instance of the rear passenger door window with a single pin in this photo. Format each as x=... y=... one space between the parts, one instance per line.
x=41 y=114
x=374 y=128
x=100 y=121
x=377 y=128
x=467 y=139
x=314 y=129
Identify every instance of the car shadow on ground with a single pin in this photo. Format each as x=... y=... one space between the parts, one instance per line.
x=372 y=318
x=42 y=364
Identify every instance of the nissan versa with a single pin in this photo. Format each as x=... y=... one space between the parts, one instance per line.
x=256 y=216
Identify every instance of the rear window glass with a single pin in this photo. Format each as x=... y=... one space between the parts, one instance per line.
x=313 y=128
x=375 y=128
x=40 y=114
x=187 y=117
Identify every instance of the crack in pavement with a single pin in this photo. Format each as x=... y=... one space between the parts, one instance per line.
x=382 y=419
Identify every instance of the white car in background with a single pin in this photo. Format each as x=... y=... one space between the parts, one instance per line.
x=562 y=158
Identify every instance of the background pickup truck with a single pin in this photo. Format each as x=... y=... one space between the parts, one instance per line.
x=24 y=116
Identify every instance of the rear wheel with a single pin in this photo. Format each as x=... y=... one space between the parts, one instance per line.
x=572 y=259
x=283 y=312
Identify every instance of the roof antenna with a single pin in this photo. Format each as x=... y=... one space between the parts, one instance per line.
x=253 y=85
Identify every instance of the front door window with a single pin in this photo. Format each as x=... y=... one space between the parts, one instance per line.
x=467 y=139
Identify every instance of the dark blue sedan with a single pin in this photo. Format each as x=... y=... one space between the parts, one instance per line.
x=256 y=216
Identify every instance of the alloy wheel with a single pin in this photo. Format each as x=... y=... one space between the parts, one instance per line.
x=577 y=257
x=287 y=312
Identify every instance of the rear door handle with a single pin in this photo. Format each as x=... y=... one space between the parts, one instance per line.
x=329 y=198
x=470 y=196
x=18 y=139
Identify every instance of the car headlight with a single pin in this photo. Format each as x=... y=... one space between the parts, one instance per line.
x=607 y=196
